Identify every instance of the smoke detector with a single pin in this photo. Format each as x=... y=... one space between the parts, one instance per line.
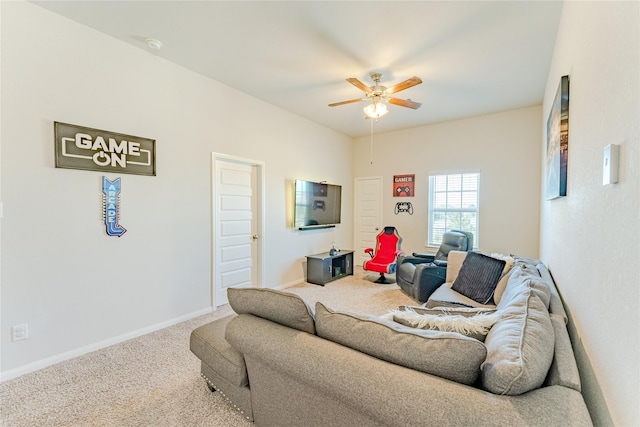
x=154 y=44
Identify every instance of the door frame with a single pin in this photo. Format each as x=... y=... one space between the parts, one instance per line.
x=259 y=216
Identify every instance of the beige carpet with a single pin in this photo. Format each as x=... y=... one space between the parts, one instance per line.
x=154 y=379
x=355 y=293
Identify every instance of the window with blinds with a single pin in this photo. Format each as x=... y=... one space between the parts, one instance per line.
x=453 y=205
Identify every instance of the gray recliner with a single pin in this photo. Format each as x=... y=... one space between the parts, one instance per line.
x=421 y=274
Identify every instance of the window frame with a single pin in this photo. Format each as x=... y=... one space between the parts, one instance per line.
x=432 y=211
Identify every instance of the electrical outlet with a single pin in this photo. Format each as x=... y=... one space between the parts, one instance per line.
x=19 y=332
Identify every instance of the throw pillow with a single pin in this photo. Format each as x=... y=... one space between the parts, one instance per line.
x=445 y=354
x=478 y=277
x=474 y=323
x=281 y=307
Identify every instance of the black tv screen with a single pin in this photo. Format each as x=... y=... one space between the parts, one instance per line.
x=317 y=204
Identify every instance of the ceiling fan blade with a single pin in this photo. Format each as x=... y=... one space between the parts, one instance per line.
x=404 y=85
x=404 y=103
x=335 y=104
x=357 y=83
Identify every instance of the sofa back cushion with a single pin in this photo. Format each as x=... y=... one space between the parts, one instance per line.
x=555 y=302
x=521 y=279
x=445 y=354
x=519 y=346
x=454 y=262
x=564 y=369
x=281 y=307
x=506 y=273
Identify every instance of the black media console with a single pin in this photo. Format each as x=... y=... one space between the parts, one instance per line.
x=323 y=268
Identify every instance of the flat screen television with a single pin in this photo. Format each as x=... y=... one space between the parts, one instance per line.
x=317 y=204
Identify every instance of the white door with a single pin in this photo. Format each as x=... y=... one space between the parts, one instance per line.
x=368 y=212
x=236 y=226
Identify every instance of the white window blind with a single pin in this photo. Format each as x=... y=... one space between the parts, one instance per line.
x=453 y=205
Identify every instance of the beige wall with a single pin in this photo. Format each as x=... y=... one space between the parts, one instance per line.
x=79 y=289
x=503 y=147
x=591 y=238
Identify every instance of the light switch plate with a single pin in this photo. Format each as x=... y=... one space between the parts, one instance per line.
x=610 y=164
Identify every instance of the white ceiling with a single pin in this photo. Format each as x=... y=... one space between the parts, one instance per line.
x=473 y=57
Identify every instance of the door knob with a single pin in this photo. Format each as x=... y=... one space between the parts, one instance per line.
x=255 y=237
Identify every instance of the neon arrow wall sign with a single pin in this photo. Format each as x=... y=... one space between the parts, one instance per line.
x=111 y=206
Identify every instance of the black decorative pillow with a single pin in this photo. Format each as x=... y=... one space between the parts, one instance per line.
x=478 y=277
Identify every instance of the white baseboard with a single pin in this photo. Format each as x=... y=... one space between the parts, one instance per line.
x=288 y=285
x=41 y=364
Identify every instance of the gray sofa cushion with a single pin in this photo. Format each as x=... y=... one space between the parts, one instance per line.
x=522 y=278
x=478 y=277
x=281 y=307
x=519 y=346
x=563 y=370
x=209 y=344
x=502 y=285
x=555 y=302
x=445 y=354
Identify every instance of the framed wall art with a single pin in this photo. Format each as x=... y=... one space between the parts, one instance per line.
x=558 y=142
x=80 y=147
x=404 y=185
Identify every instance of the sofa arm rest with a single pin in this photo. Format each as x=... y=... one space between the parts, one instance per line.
x=426 y=257
x=426 y=279
x=412 y=259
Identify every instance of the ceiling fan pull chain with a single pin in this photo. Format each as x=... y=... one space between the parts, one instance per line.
x=371 y=149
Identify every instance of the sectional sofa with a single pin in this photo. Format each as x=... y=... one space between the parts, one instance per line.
x=282 y=363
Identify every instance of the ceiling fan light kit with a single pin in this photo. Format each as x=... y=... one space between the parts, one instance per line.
x=375 y=110
x=380 y=95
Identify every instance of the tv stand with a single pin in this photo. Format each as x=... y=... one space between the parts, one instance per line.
x=323 y=268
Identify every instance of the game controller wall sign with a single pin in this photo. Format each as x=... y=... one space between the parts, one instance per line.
x=404 y=207
x=403 y=185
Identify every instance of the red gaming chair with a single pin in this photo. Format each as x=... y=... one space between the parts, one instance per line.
x=386 y=254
